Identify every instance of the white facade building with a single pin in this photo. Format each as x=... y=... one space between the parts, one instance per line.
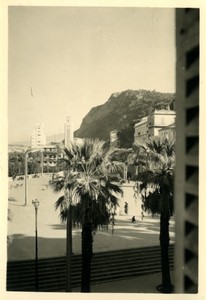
x=141 y=130
x=158 y=124
x=38 y=137
x=168 y=132
x=51 y=155
x=68 y=132
x=78 y=141
x=114 y=141
x=160 y=119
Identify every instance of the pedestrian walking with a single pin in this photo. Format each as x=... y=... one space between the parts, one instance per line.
x=133 y=219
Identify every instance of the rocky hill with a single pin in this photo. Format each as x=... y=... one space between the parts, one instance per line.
x=121 y=112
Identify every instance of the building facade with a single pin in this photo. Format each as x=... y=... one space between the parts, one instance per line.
x=78 y=141
x=114 y=140
x=50 y=156
x=158 y=124
x=68 y=132
x=141 y=130
x=168 y=132
x=38 y=137
x=160 y=119
x=189 y=260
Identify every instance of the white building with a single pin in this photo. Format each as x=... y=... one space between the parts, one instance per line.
x=160 y=119
x=78 y=141
x=38 y=137
x=114 y=140
x=68 y=132
x=141 y=130
x=158 y=124
x=168 y=132
x=51 y=155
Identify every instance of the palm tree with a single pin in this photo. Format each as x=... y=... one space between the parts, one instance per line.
x=139 y=157
x=93 y=210
x=68 y=184
x=91 y=194
x=158 y=180
x=123 y=156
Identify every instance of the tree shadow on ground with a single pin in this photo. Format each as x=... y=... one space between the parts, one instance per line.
x=17 y=204
x=124 y=235
x=147 y=221
x=12 y=199
x=23 y=247
x=58 y=226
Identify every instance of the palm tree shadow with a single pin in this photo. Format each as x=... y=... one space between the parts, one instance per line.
x=12 y=200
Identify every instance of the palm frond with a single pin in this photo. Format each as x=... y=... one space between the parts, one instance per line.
x=60 y=203
x=57 y=184
x=138 y=147
x=113 y=188
x=69 y=152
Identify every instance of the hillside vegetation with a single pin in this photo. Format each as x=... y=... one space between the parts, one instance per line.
x=121 y=112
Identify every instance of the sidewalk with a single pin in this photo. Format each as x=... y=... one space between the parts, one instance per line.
x=139 y=284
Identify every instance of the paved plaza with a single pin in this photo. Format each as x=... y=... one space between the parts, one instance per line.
x=52 y=233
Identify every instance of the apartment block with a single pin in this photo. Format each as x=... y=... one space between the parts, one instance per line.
x=38 y=137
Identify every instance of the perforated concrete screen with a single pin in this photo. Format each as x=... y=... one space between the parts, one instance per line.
x=187 y=169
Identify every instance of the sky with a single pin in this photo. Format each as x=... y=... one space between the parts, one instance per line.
x=65 y=60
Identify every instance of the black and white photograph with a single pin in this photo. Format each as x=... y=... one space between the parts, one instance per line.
x=101 y=150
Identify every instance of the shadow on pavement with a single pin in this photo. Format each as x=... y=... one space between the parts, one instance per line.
x=58 y=226
x=23 y=247
x=12 y=199
x=124 y=235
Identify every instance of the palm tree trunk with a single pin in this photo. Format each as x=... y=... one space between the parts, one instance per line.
x=87 y=252
x=166 y=286
x=69 y=249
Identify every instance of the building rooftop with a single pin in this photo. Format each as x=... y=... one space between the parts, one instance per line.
x=164 y=111
x=143 y=121
x=171 y=126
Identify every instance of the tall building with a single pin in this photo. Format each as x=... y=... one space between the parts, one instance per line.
x=38 y=137
x=68 y=132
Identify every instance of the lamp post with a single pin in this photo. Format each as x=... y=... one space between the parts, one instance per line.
x=26 y=171
x=36 y=206
x=26 y=183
